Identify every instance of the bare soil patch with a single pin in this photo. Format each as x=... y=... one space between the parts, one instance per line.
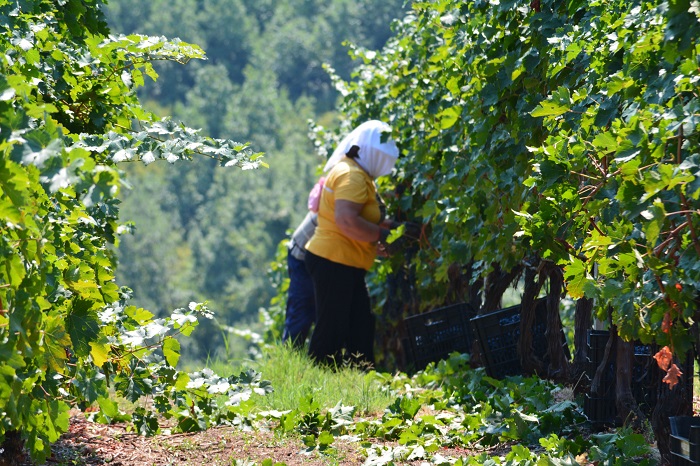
x=89 y=443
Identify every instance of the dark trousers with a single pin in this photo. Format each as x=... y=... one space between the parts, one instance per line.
x=344 y=318
x=301 y=310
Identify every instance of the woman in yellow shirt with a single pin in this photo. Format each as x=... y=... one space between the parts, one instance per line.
x=344 y=245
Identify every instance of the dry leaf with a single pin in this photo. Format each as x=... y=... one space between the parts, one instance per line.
x=664 y=358
x=667 y=323
x=672 y=376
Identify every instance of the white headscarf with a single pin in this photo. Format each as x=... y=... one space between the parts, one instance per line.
x=376 y=157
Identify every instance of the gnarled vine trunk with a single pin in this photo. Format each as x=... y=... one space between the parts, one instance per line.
x=12 y=449
x=583 y=317
x=530 y=363
x=627 y=407
x=497 y=282
x=676 y=401
x=554 y=364
x=558 y=358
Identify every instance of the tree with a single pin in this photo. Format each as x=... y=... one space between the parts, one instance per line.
x=225 y=45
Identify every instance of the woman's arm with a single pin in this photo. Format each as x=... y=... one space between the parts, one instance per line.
x=352 y=225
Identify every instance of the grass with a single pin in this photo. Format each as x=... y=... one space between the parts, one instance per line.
x=295 y=378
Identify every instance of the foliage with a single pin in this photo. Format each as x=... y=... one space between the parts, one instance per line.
x=68 y=115
x=566 y=131
x=134 y=370
x=446 y=414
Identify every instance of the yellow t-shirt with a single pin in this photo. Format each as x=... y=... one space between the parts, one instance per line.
x=349 y=182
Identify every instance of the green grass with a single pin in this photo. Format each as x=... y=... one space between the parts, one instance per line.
x=295 y=378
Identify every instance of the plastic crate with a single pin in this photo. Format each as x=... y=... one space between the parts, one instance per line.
x=433 y=335
x=685 y=440
x=601 y=410
x=646 y=376
x=600 y=407
x=498 y=334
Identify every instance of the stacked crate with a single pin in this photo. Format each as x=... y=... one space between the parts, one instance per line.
x=433 y=335
x=646 y=378
x=685 y=441
x=498 y=333
x=600 y=407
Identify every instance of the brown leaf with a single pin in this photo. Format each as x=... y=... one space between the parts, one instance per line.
x=663 y=358
x=672 y=376
x=666 y=323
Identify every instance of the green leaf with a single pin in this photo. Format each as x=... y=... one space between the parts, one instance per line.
x=14 y=270
x=99 y=353
x=110 y=412
x=524 y=422
x=146 y=423
x=449 y=116
x=519 y=454
x=57 y=342
x=655 y=217
x=309 y=441
x=605 y=141
x=618 y=82
x=549 y=108
x=633 y=445
x=577 y=279
x=83 y=326
x=171 y=351
x=325 y=439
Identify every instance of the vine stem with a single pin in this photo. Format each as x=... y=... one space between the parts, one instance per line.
x=684 y=200
x=683 y=212
x=595 y=225
x=671 y=236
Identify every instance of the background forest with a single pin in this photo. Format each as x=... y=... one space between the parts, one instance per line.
x=208 y=234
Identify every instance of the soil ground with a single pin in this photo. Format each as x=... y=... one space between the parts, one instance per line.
x=88 y=443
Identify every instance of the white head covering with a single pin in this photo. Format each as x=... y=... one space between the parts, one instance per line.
x=376 y=157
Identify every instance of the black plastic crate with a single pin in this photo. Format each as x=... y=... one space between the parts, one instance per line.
x=601 y=410
x=433 y=335
x=498 y=334
x=600 y=407
x=685 y=440
x=645 y=371
x=646 y=376
x=680 y=460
